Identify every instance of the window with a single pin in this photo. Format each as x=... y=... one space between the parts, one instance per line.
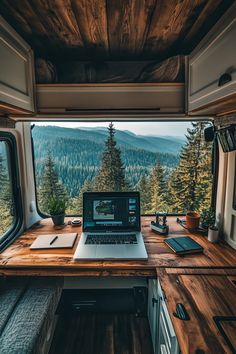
x=9 y=191
x=169 y=163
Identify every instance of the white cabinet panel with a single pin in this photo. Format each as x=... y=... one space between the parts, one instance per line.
x=166 y=340
x=17 y=72
x=153 y=311
x=212 y=65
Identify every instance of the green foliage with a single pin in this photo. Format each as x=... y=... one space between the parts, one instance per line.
x=157 y=186
x=190 y=184
x=111 y=176
x=56 y=206
x=208 y=217
x=145 y=194
x=5 y=193
x=167 y=183
x=50 y=186
x=77 y=155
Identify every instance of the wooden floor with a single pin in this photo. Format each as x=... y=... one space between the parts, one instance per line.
x=102 y=334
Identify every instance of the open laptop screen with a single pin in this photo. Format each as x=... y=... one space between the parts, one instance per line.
x=111 y=211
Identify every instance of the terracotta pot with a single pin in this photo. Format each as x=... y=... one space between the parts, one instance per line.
x=192 y=220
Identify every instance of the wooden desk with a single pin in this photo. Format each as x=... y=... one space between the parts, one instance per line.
x=18 y=259
x=204 y=296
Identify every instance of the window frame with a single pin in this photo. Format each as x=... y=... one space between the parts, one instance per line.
x=214 y=167
x=11 y=233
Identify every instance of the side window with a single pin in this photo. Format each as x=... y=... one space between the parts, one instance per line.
x=9 y=191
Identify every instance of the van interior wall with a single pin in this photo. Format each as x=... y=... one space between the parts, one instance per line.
x=23 y=131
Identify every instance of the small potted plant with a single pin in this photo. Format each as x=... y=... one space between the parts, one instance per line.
x=208 y=218
x=56 y=208
x=192 y=220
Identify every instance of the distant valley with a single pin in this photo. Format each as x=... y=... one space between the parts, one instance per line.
x=77 y=153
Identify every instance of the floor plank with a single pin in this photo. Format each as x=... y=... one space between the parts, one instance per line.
x=102 y=334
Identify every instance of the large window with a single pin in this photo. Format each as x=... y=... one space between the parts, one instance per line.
x=9 y=191
x=169 y=163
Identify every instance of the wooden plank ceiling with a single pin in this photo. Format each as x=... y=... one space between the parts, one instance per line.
x=112 y=29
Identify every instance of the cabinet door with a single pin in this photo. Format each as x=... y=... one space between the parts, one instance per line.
x=17 y=72
x=212 y=67
x=153 y=309
x=166 y=340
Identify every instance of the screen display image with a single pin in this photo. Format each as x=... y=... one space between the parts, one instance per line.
x=104 y=209
x=111 y=211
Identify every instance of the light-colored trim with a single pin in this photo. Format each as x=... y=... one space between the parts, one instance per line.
x=229 y=212
x=12 y=96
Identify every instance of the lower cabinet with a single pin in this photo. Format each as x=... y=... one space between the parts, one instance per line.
x=163 y=335
x=153 y=310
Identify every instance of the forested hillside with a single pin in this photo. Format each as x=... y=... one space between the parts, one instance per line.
x=77 y=153
x=72 y=161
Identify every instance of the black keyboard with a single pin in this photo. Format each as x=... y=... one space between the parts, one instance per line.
x=111 y=239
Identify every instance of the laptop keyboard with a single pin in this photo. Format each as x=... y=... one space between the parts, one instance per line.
x=111 y=239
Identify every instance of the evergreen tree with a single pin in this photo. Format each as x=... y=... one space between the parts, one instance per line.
x=157 y=189
x=190 y=186
x=5 y=193
x=5 y=198
x=144 y=190
x=111 y=175
x=50 y=185
x=76 y=204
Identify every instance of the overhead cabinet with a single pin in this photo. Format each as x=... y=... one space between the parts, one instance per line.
x=16 y=72
x=76 y=98
x=212 y=69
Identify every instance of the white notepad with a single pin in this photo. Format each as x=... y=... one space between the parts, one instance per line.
x=62 y=241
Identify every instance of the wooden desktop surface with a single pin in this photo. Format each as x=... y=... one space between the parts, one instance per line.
x=18 y=259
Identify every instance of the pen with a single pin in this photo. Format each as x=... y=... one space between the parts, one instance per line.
x=53 y=240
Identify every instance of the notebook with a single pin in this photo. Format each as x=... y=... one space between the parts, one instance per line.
x=184 y=245
x=56 y=240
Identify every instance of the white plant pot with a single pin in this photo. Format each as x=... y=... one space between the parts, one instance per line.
x=213 y=234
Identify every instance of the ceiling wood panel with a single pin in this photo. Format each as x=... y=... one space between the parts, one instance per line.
x=170 y=21
x=92 y=21
x=128 y=24
x=58 y=20
x=210 y=7
x=97 y=30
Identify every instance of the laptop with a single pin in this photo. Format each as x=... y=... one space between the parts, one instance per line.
x=111 y=227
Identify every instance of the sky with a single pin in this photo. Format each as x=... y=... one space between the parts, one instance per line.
x=139 y=128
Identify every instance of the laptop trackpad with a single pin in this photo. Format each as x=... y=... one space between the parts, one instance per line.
x=110 y=252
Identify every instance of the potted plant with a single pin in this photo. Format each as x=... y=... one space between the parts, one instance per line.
x=56 y=208
x=192 y=220
x=208 y=218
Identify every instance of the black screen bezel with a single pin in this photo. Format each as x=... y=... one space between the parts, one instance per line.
x=95 y=195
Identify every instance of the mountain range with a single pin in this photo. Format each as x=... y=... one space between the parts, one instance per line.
x=77 y=153
x=125 y=138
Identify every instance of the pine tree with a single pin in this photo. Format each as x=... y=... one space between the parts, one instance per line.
x=4 y=181
x=157 y=189
x=143 y=188
x=5 y=198
x=111 y=175
x=50 y=185
x=190 y=186
x=76 y=204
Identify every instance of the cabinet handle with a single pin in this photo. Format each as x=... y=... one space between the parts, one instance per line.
x=154 y=301
x=224 y=79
